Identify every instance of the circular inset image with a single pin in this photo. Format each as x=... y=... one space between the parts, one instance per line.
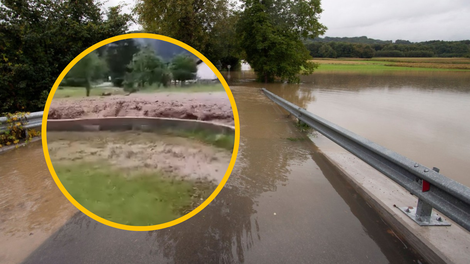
x=140 y=132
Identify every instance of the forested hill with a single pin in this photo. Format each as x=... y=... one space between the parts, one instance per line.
x=164 y=49
x=361 y=40
x=363 y=47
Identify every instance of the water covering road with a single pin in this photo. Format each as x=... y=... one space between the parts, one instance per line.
x=284 y=203
x=421 y=115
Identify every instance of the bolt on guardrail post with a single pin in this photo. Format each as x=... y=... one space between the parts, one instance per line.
x=423 y=215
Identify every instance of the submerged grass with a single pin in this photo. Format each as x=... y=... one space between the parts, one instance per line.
x=296 y=139
x=220 y=140
x=139 y=199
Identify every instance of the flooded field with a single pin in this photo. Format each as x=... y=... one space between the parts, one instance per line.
x=421 y=115
x=121 y=175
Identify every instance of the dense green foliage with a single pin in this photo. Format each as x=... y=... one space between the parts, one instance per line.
x=183 y=68
x=15 y=133
x=206 y=25
x=118 y=56
x=321 y=48
x=39 y=38
x=270 y=36
x=146 y=68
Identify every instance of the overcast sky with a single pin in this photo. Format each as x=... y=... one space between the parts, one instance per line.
x=414 y=20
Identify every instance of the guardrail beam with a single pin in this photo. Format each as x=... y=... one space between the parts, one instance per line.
x=432 y=189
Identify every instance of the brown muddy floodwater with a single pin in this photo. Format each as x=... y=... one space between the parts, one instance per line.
x=213 y=106
x=133 y=150
x=31 y=206
x=424 y=116
x=283 y=203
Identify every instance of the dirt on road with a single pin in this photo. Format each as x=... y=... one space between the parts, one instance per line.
x=213 y=106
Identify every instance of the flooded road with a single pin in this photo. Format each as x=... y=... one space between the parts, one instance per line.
x=32 y=208
x=421 y=115
x=284 y=203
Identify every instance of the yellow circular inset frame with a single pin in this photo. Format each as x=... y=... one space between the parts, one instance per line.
x=122 y=226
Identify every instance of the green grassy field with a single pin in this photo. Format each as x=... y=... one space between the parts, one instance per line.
x=80 y=92
x=139 y=199
x=76 y=92
x=377 y=65
x=372 y=67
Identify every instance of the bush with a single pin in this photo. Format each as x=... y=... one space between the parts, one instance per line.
x=118 y=82
x=15 y=132
x=72 y=82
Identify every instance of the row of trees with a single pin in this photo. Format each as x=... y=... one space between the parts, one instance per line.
x=130 y=67
x=267 y=34
x=39 y=38
x=147 y=68
x=206 y=25
x=400 y=48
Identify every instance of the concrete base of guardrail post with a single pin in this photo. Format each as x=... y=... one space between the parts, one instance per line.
x=422 y=214
x=430 y=220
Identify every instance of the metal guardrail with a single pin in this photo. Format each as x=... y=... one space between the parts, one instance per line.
x=432 y=189
x=32 y=120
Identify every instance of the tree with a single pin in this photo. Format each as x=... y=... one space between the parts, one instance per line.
x=146 y=68
x=270 y=34
x=119 y=55
x=326 y=51
x=39 y=38
x=197 y=23
x=367 y=52
x=88 y=69
x=224 y=44
x=183 y=68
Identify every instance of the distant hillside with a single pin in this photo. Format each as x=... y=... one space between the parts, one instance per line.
x=359 y=40
x=364 y=47
x=164 y=49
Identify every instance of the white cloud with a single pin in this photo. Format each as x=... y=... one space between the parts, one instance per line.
x=414 y=20
x=127 y=8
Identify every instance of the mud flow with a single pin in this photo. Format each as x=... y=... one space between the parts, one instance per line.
x=141 y=151
x=137 y=178
x=214 y=107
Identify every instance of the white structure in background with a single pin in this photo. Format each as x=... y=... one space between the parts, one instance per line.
x=204 y=72
x=245 y=66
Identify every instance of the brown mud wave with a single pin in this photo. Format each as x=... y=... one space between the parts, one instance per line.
x=214 y=107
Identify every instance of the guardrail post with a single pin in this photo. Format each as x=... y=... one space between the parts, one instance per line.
x=424 y=210
x=423 y=215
